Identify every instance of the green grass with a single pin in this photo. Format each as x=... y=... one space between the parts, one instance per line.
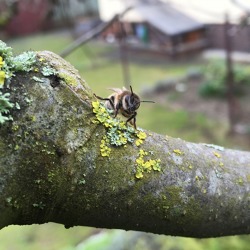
x=181 y=124
x=95 y=67
x=38 y=237
x=101 y=71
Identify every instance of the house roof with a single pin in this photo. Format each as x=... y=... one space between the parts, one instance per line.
x=162 y=16
x=209 y=11
x=173 y=16
x=166 y=18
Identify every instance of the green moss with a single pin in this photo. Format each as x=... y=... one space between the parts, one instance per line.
x=248 y=177
x=51 y=175
x=177 y=209
x=69 y=79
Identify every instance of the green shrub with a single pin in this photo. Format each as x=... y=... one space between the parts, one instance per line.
x=214 y=84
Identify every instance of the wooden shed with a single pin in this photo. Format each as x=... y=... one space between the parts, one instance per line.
x=156 y=26
x=175 y=26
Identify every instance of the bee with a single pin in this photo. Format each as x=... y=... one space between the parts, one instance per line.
x=124 y=102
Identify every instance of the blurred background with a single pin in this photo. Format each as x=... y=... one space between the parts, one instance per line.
x=190 y=57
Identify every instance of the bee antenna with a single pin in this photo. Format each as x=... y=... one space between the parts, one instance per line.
x=131 y=89
x=148 y=101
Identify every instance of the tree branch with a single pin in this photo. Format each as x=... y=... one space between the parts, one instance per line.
x=52 y=169
x=91 y=34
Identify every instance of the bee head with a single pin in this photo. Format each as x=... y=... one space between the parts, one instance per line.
x=134 y=101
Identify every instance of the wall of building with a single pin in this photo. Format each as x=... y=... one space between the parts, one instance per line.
x=240 y=37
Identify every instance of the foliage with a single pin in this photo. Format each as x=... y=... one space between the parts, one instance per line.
x=215 y=78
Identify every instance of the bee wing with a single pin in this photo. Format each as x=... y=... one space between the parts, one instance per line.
x=119 y=91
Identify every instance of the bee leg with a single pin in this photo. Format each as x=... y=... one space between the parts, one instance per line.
x=132 y=117
x=117 y=107
x=106 y=99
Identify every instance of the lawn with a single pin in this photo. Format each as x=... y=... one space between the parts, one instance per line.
x=99 y=65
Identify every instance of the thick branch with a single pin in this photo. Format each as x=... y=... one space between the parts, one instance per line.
x=51 y=169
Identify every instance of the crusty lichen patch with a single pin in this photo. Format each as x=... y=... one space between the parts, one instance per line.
x=118 y=134
x=146 y=165
x=9 y=65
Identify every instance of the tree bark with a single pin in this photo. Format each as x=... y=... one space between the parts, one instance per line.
x=52 y=170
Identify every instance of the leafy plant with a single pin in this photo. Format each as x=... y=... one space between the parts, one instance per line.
x=215 y=74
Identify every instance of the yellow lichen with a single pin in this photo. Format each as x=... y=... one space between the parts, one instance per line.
x=2 y=77
x=138 y=175
x=118 y=134
x=177 y=151
x=2 y=73
x=1 y=62
x=69 y=79
x=138 y=142
x=239 y=181
x=144 y=165
x=41 y=59
x=217 y=154
x=141 y=137
x=104 y=149
x=221 y=164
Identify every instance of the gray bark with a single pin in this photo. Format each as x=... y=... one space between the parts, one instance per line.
x=51 y=169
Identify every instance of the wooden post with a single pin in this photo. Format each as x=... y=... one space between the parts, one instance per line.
x=230 y=86
x=124 y=55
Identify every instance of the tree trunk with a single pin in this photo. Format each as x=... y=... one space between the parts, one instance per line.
x=54 y=168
